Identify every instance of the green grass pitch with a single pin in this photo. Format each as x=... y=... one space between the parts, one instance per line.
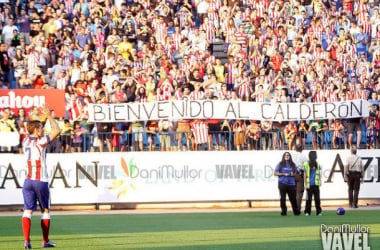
x=219 y=230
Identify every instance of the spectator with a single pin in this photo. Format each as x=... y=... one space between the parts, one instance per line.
x=276 y=51
x=116 y=137
x=66 y=136
x=151 y=128
x=318 y=127
x=239 y=129
x=5 y=64
x=7 y=124
x=290 y=133
x=302 y=132
x=164 y=128
x=78 y=132
x=225 y=135
x=337 y=129
x=253 y=135
x=213 y=133
x=200 y=132
x=82 y=38
x=8 y=30
x=23 y=21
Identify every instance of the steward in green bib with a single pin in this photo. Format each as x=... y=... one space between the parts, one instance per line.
x=312 y=182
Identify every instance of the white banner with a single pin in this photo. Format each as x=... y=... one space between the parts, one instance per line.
x=81 y=178
x=204 y=109
x=9 y=139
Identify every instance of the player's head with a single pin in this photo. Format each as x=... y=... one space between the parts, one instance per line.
x=35 y=128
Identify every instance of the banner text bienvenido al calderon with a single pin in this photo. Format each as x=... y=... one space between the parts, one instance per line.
x=206 y=109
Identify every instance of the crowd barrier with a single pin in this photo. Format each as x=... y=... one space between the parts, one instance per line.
x=220 y=141
x=157 y=177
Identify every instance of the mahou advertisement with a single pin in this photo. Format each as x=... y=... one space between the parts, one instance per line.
x=29 y=98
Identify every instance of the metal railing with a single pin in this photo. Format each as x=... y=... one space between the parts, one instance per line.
x=222 y=140
x=272 y=140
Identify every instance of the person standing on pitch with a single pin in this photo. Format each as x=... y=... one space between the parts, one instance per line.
x=285 y=170
x=312 y=183
x=299 y=160
x=353 y=175
x=36 y=186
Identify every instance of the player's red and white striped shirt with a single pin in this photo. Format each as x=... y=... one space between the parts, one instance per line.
x=177 y=38
x=259 y=96
x=230 y=69
x=200 y=131
x=359 y=94
x=344 y=61
x=351 y=50
x=260 y=7
x=182 y=16
x=166 y=92
x=212 y=12
x=69 y=6
x=160 y=33
x=209 y=29
x=35 y=152
x=362 y=8
x=33 y=59
x=275 y=15
x=230 y=33
x=262 y=38
x=331 y=96
x=256 y=60
x=367 y=27
x=242 y=39
x=244 y=88
x=319 y=96
x=302 y=68
x=75 y=110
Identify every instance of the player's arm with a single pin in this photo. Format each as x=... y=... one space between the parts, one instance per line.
x=55 y=130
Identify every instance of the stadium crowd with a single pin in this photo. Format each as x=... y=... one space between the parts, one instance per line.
x=115 y=51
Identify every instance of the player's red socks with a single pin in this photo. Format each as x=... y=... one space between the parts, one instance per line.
x=26 y=224
x=45 y=225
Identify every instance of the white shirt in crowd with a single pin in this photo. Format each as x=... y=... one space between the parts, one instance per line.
x=7 y=33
